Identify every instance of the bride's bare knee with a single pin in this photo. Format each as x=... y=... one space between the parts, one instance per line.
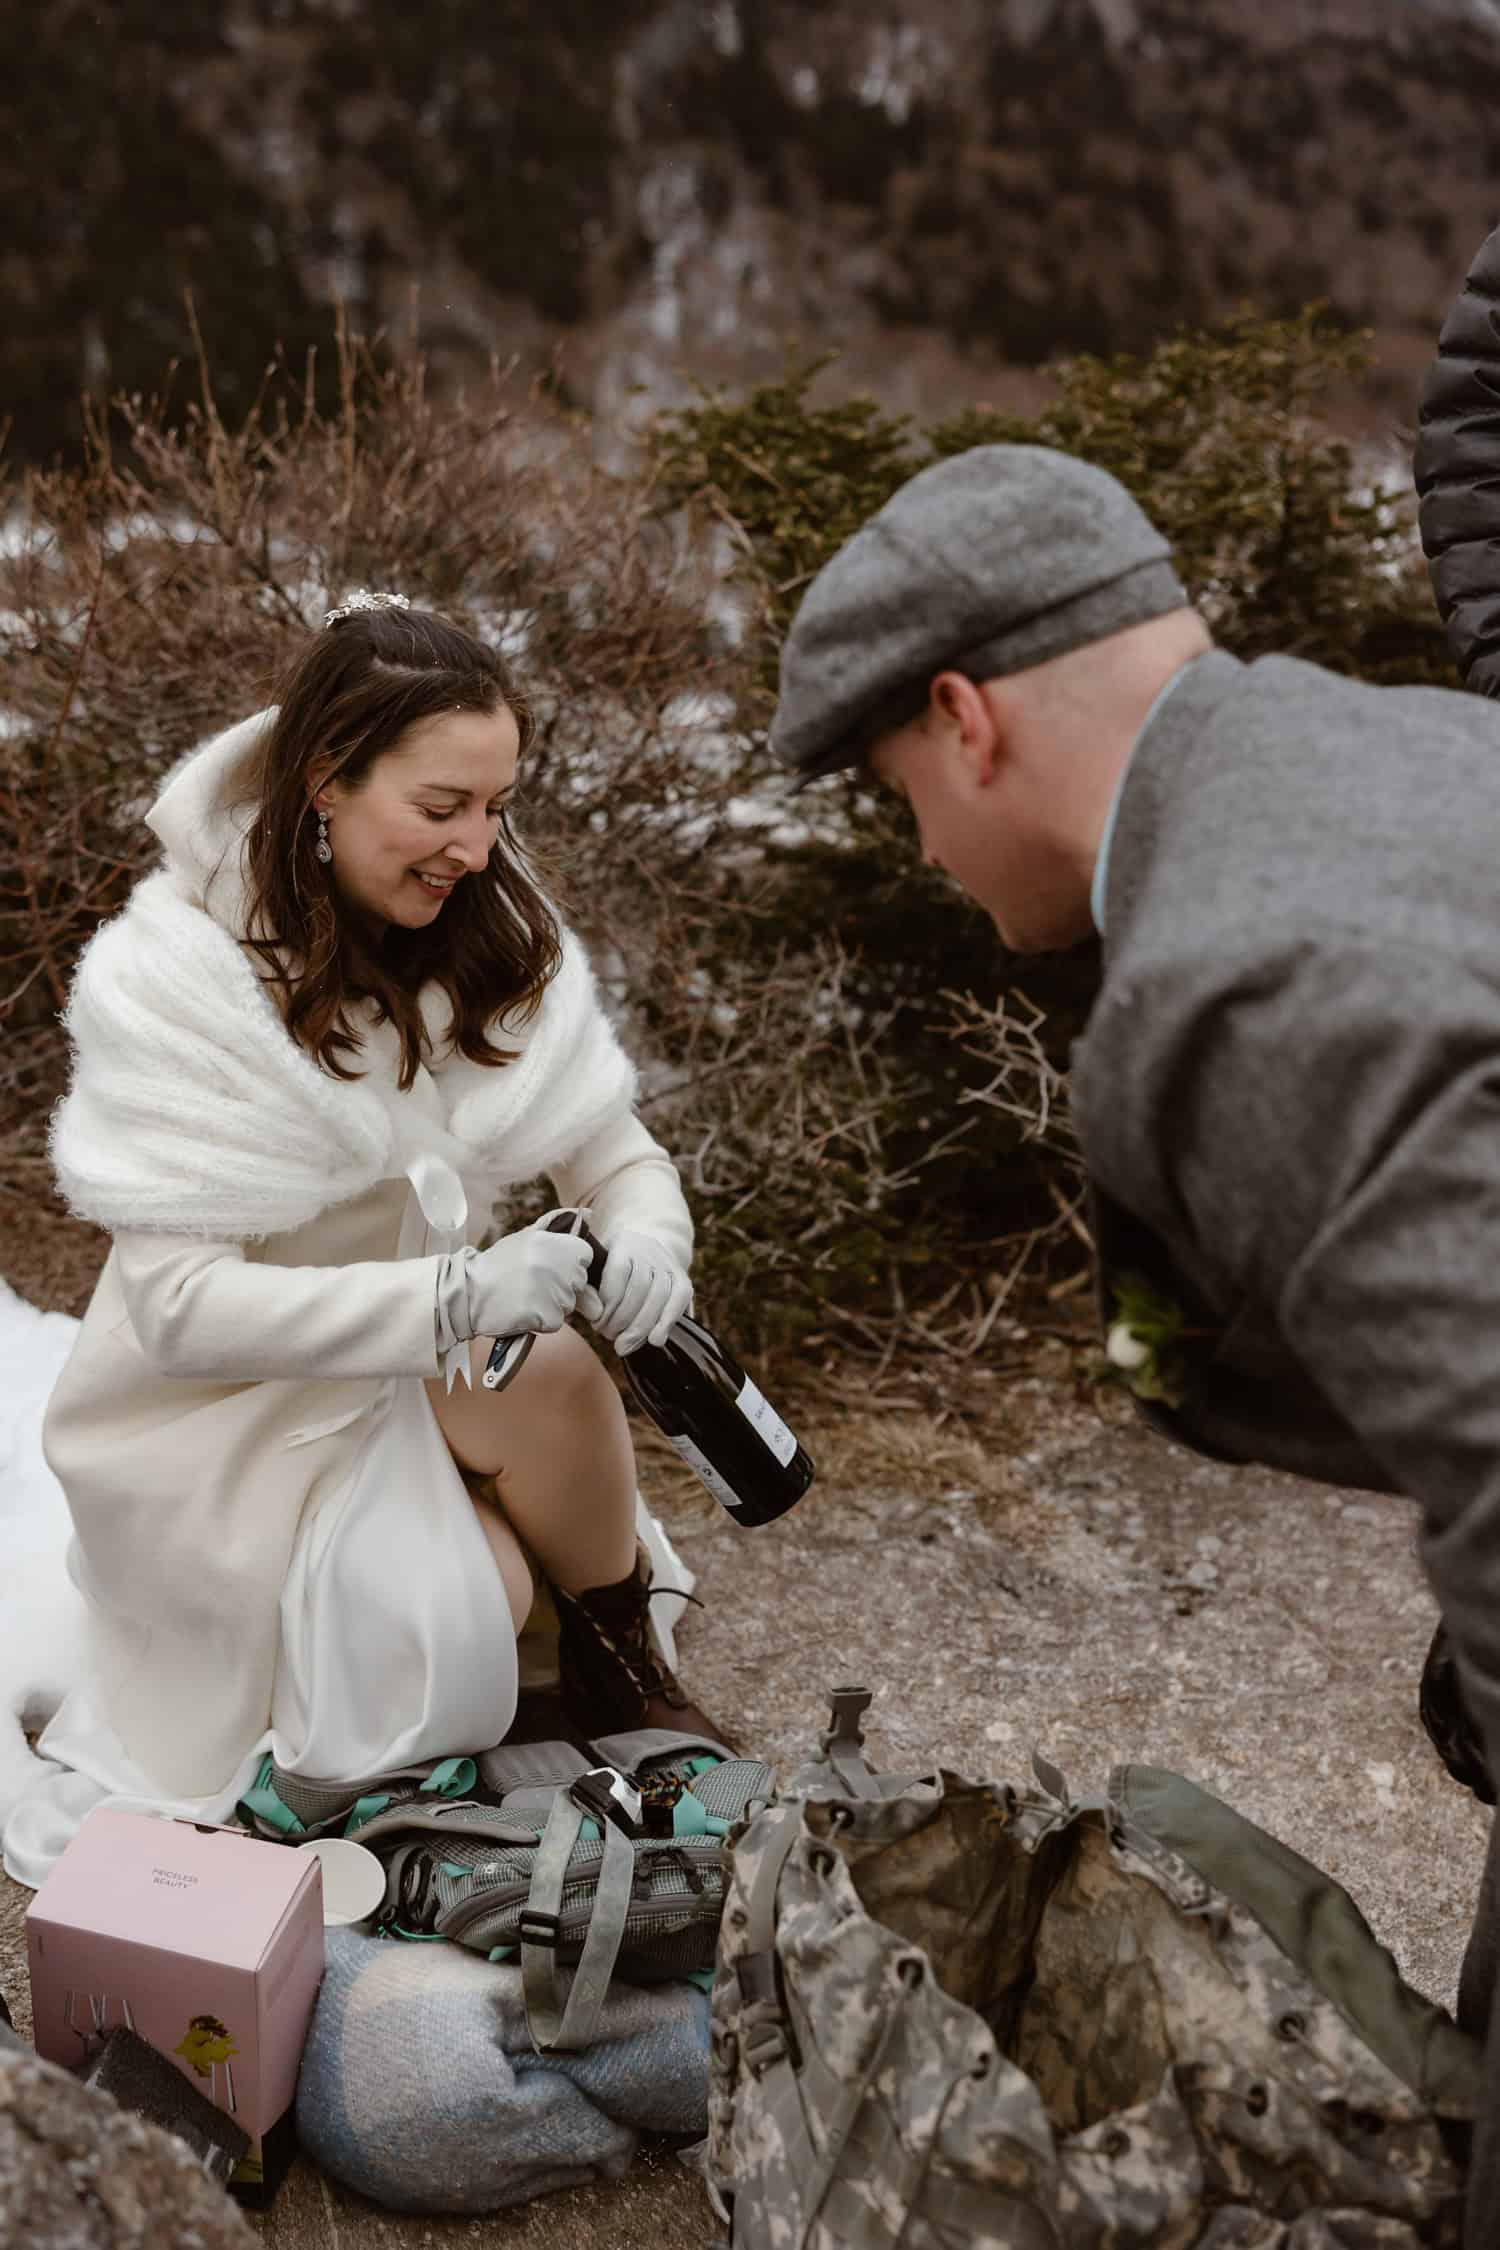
x=563 y=1375
x=561 y=1389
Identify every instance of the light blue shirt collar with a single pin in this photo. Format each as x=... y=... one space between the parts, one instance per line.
x=1100 y=882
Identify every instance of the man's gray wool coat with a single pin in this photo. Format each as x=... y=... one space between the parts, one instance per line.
x=1288 y=1092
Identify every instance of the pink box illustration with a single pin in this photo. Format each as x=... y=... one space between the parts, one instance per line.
x=206 y=1942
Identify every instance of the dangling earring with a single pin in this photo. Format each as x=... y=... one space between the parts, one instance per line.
x=322 y=849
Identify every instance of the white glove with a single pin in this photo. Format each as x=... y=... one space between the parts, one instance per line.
x=642 y=1292
x=527 y=1281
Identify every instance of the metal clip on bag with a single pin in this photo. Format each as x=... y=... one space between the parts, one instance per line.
x=953 y=2013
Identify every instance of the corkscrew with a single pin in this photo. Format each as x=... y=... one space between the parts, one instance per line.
x=508 y=1354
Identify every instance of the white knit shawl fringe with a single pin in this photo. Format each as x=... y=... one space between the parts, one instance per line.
x=191 y=1110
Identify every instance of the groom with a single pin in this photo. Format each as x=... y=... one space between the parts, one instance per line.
x=1288 y=1093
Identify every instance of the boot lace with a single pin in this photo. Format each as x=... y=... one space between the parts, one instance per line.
x=657 y=1676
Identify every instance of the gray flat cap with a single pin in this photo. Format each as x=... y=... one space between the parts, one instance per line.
x=986 y=563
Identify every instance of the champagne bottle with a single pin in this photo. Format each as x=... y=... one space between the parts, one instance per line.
x=712 y=1414
x=705 y=1405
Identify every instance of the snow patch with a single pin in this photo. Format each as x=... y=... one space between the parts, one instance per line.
x=1384 y=1779
x=41 y=1611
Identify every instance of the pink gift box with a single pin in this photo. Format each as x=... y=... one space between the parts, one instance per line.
x=206 y=1942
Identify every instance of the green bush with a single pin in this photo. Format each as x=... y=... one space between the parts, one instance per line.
x=1217 y=433
x=1219 y=436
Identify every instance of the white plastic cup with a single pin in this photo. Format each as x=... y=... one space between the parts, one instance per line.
x=353 y=1879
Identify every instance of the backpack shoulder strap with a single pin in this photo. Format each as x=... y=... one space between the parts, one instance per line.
x=554 y=2023
x=762 y=2028
x=769 y=2057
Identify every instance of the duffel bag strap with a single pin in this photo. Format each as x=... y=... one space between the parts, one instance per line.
x=763 y=2040
x=554 y=2024
x=841 y=1766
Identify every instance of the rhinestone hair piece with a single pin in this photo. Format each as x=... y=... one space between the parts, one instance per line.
x=363 y=598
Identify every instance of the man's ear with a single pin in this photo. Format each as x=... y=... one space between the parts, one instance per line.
x=972 y=720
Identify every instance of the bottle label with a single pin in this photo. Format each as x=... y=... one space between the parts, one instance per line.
x=762 y=1415
x=701 y=1466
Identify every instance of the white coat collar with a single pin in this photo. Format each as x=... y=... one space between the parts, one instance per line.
x=204 y=815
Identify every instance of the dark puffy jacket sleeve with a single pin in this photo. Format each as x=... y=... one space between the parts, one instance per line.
x=1457 y=468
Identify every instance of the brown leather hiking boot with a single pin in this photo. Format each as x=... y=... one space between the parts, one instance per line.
x=612 y=1669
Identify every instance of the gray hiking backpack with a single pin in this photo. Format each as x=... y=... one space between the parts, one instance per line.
x=953 y=2013
x=614 y=1867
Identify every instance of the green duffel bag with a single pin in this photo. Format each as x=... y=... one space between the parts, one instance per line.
x=957 y=2015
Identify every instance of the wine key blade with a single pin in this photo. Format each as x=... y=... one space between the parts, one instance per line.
x=509 y=1354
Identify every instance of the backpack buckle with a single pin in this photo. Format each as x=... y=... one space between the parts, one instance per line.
x=762 y=2031
x=762 y=2039
x=604 y=1792
x=849 y=1706
x=534 y=1928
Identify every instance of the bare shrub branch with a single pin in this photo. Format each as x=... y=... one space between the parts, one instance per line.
x=1024 y=1083
x=150 y=599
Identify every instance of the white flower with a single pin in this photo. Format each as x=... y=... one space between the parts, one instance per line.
x=1124 y=1348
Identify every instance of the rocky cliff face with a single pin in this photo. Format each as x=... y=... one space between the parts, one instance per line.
x=1060 y=174
x=939 y=185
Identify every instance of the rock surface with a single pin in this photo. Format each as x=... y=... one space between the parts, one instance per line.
x=79 y=2173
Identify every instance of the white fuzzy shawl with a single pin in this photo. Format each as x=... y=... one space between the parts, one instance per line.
x=192 y=1111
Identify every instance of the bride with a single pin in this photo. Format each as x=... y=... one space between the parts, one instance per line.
x=336 y=1022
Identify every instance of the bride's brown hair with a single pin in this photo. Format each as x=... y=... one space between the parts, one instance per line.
x=347 y=699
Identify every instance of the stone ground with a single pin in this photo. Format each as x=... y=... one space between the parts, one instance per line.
x=1010 y=1560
